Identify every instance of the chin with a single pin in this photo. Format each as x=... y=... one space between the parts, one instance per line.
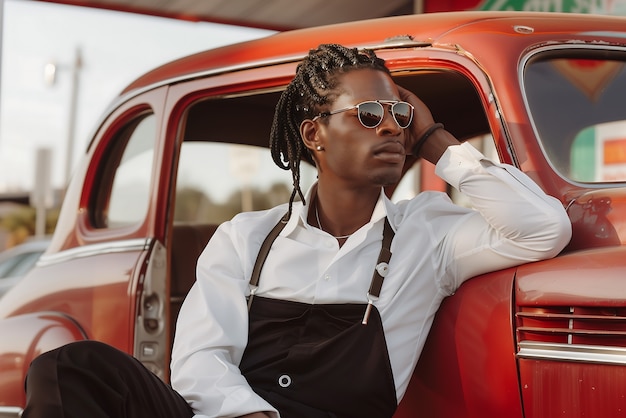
x=386 y=179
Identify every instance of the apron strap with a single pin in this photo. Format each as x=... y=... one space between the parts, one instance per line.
x=263 y=252
x=382 y=265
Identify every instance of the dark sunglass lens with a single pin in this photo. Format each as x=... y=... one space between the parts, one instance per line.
x=403 y=114
x=370 y=114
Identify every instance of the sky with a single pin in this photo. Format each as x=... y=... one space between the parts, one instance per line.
x=115 y=48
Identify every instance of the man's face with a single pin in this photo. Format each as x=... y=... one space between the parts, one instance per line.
x=363 y=157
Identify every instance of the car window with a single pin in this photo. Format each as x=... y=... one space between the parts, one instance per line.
x=217 y=180
x=577 y=103
x=127 y=175
x=225 y=166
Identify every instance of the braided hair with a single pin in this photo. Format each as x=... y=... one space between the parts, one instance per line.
x=313 y=86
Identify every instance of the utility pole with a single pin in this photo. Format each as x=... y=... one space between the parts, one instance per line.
x=50 y=71
x=41 y=196
x=71 y=124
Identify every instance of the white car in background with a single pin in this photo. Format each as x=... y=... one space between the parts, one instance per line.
x=15 y=262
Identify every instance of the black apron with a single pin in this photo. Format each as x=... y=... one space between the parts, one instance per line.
x=320 y=360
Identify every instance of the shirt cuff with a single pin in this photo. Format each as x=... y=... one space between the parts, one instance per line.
x=456 y=161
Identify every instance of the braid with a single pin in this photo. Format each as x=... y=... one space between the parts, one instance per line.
x=313 y=86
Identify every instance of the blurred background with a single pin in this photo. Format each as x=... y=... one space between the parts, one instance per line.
x=63 y=62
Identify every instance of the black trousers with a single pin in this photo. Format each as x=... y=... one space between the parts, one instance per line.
x=92 y=379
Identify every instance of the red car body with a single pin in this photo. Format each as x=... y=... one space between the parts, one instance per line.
x=547 y=92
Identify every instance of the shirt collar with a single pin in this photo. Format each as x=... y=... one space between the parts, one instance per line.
x=384 y=207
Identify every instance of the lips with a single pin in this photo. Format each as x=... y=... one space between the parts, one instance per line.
x=390 y=151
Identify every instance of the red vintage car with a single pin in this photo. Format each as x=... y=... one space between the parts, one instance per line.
x=184 y=148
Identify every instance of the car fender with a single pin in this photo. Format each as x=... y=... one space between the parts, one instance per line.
x=468 y=366
x=30 y=336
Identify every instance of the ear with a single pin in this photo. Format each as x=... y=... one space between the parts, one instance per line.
x=308 y=133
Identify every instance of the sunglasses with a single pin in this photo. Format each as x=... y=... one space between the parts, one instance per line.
x=371 y=112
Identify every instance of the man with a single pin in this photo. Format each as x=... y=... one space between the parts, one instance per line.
x=321 y=307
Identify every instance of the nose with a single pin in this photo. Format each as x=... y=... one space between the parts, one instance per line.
x=388 y=126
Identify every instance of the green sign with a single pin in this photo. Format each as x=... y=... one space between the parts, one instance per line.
x=569 y=6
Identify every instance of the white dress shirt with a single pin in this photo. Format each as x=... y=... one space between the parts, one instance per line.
x=437 y=246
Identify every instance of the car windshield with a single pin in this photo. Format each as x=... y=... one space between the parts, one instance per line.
x=577 y=102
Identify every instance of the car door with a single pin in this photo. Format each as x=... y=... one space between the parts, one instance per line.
x=103 y=277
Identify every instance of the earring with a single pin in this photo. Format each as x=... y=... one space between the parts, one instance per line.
x=319 y=148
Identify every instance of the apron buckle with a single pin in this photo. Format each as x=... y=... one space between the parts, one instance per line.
x=253 y=289
x=368 y=309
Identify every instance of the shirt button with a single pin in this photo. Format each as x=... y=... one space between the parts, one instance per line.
x=327 y=277
x=284 y=381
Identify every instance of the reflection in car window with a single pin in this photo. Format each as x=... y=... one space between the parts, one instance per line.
x=599 y=153
x=130 y=190
x=218 y=180
x=578 y=105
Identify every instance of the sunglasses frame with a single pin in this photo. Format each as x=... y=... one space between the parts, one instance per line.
x=381 y=103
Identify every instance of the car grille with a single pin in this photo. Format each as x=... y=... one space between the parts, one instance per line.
x=592 y=334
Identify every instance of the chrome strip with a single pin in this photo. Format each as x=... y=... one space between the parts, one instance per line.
x=10 y=411
x=138 y=244
x=572 y=352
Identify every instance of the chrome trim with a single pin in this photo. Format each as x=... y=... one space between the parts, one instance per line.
x=522 y=66
x=523 y=29
x=151 y=322
x=572 y=352
x=138 y=244
x=10 y=411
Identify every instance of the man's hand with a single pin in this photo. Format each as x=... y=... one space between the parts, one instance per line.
x=422 y=118
x=437 y=142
